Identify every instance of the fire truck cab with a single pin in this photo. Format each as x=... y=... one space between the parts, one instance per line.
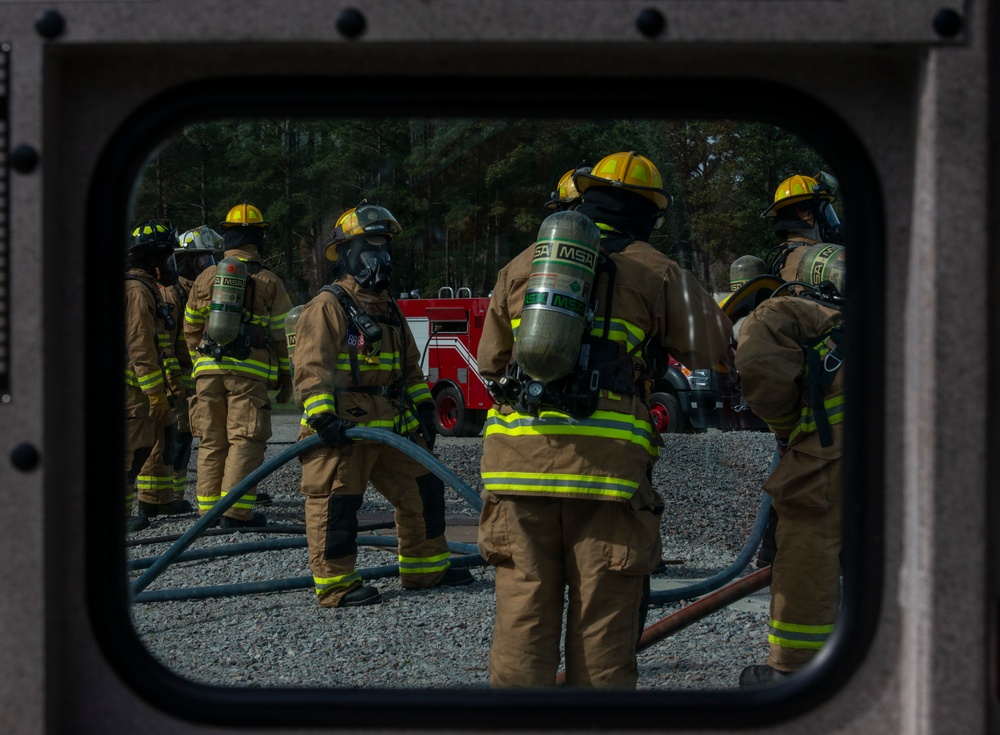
x=447 y=330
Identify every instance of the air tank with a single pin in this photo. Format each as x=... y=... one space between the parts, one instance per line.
x=823 y=262
x=554 y=313
x=226 y=313
x=744 y=269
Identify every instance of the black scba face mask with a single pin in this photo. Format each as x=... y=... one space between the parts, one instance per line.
x=369 y=261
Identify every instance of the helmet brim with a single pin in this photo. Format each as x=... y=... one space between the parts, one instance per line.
x=772 y=211
x=659 y=197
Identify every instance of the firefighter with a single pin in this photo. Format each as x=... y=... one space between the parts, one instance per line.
x=566 y=195
x=789 y=359
x=232 y=411
x=802 y=214
x=197 y=250
x=147 y=410
x=357 y=364
x=155 y=483
x=568 y=501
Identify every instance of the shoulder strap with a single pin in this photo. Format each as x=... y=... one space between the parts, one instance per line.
x=824 y=357
x=351 y=309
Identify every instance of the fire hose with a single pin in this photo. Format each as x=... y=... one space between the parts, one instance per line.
x=297 y=449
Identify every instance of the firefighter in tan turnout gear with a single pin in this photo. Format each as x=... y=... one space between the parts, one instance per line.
x=789 y=360
x=147 y=410
x=234 y=326
x=802 y=214
x=197 y=249
x=567 y=460
x=356 y=364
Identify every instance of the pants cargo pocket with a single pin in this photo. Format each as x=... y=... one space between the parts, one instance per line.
x=494 y=536
x=635 y=544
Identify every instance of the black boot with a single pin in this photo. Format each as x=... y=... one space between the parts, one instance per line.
x=259 y=520
x=173 y=508
x=761 y=675
x=136 y=523
x=363 y=595
x=455 y=577
x=263 y=499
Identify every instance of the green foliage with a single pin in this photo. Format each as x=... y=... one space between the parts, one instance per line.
x=469 y=193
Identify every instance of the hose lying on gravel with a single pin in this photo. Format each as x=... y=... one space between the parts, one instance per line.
x=358 y=432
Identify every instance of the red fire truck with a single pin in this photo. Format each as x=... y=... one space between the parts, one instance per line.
x=447 y=330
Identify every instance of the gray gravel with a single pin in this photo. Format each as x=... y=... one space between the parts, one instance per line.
x=441 y=637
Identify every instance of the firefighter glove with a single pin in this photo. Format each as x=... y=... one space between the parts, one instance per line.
x=425 y=414
x=331 y=429
x=159 y=409
x=284 y=389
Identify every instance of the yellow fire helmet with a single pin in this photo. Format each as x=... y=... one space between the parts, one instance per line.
x=566 y=193
x=244 y=215
x=629 y=170
x=364 y=219
x=795 y=189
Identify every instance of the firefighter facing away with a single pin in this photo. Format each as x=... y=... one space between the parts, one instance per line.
x=568 y=503
x=147 y=410
x=234 y=325
x=356 y=364
x=790 y=363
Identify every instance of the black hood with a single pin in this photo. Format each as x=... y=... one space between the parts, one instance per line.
x=630 y=214
x=236 y=238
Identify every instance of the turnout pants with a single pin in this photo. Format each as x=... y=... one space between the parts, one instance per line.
x=232 y=417
x=140 y=435
x=805 y=575
x=334 y=482
x=600 y=552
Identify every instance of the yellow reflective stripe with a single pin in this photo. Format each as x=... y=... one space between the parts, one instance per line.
x=246 y=501
x=807 y=421
x=343 y=580
x=605 y=424
x=207 y=502
x=795 y=635
x=621 y=331
x=419 y=392
x=145 y=382
x=540 y=482
x=195 y=316
x=253 y=368
x=319 y=403
x=381 y=361
x=154 y=482
x=424 y=564
x=278 y=321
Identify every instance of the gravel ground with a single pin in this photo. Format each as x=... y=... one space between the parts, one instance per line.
x=441 y=637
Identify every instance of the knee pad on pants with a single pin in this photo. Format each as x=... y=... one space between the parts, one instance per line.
x=432 y=495
x=342 y=526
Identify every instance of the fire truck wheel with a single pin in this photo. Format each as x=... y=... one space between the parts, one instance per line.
x=665 y=411
x=451 y=415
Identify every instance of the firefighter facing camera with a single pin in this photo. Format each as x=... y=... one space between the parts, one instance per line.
x=357 y=364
